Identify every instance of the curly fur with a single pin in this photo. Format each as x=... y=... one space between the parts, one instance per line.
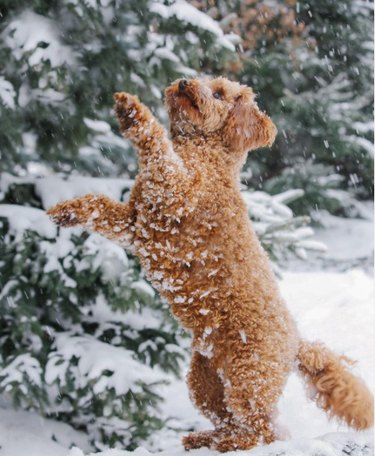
x=336 y=390
x=188 y=224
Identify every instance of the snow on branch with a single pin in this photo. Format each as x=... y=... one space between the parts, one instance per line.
x=185 y=12
x=22 y=218
x=7 y=93
x=279 y=231
x=95 y=358
x=37 y=35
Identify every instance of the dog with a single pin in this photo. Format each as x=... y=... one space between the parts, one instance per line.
x=187 y=223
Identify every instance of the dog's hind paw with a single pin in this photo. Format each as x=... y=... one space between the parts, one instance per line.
x=196 y=440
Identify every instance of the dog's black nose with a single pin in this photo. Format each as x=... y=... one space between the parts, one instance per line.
x=182 y=84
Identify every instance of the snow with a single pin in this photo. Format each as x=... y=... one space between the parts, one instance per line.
x=21 y=218
x=22 y=365
x=183 y=11
x=243 y=336
x=143 y=288
x=327 y=445
x=29 y=140
x=167 y=54
x=107 y=255
x=204 y=311
x=139 y=319
x=7 y=93
x=56 y=250
x=275 y=225
x=94 y=358
x=53 y=190
x=97 y=125
x=349 y=242
x=288 y=195
x=6 y=180
x=355 y=239
x=263 y=206
x=364 y=127
x=28 y=434
x=367 y=145
x=44 y=95
x=25 y=33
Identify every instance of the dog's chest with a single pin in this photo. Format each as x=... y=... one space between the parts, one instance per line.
x=171 y=245
x=179 y=258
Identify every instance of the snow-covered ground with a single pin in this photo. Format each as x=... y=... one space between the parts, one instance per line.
x=350 y=243
x=334 y=305
x=28 y=434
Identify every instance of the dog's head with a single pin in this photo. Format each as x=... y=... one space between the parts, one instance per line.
x=219 y=107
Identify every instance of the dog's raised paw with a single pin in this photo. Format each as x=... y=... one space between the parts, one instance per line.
x=126 y=107
x=62 y=217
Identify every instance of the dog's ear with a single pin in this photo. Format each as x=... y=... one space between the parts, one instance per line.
x=248 y=128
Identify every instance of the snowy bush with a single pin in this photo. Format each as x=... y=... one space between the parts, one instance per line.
x=83 y=337
x=278 y=229
x=321 y=186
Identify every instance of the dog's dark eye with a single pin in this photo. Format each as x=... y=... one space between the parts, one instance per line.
x=218 y=95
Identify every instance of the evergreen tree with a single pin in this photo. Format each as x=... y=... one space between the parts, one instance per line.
x=62 y=62
x=330 y=105
x=84 y=338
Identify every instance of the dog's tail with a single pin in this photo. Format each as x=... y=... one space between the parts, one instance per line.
x=336 y=390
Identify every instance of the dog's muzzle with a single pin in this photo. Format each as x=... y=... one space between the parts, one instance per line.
x=182 y=85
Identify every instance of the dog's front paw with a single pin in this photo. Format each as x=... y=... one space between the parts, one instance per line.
x=64 y=214
x=76 y=211
x=127 y=108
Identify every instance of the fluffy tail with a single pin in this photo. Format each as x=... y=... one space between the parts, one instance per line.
x=337 y=391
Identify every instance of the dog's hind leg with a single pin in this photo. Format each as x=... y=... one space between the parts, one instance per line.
x=253 y=385
x=207 y=393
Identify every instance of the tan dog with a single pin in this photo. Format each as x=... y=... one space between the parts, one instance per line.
x=189 y=226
